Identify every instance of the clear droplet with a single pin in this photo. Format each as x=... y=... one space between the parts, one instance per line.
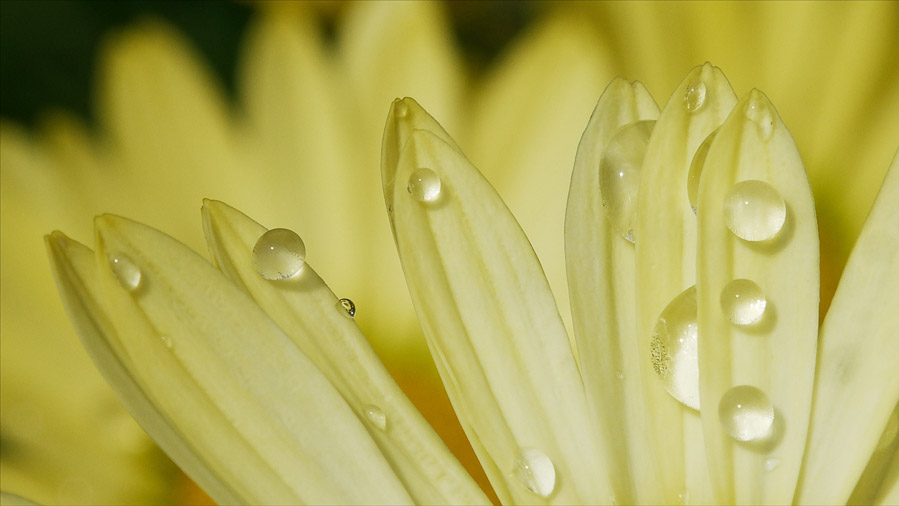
x=754 y=210
x=746 y=413
x=702 y=152
x=401 y=110
x=167 y=341
x=694 y=96
x=535 y=471
x=683 y=497
x=673 y=348
x=347 y=306
x=424 y=185
x=758 y=110
x=279 y=254
x=619 y=175
x=376 y=416
x=771 y=464
x=743 y=302
x=124 y=270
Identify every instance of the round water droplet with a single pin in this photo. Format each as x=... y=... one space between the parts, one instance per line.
x=694 y=95
x=167 y=341
x=673 y=348
x=424 y=185
x=347 y=306
x=743 y=302
x=754 y=210
x=535 y=471
x=401 y=110
x=124 y=270
x=771 y=464
x=746 y=413
x=376 y=416
x=696 y=170
x=619 y=175
x=758 y=110
x=279 y=254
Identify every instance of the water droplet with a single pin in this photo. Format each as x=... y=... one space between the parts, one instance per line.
x=673 y=348
x=759 y=111
x=347 y=306
x=754 y=210
x=279 y=254
x=696 y=170
x=401 y=110
x=771 y=464
x=683 y=497
x=535 y=471
x=619 y=175
x=167 y=341
x=424 y=185
x=694 y=96
x=746 y=413
x=743 y=302
x=376 y=416
x=620 y=374
x=125 y=271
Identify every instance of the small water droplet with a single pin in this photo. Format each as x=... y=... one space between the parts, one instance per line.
x=347 y=306
x=620 y=374
x=167 y=341
x=702 y=152
x=694 y=96
x=376 y=416
x=771 y=464
x=535 y=471
x=279 y=254
x=746 y=413
x=673 y=348
x=683 y=497
x=424 y=185
x=754 y=210
x=743 y=302
x=401 y=110
x=759 y=111
x=619 y=175
x=124 y=270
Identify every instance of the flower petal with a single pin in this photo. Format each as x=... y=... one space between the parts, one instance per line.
x=313 y=317
x=856 y=385
x=772 y=348
x=493 y=328
x=601 y=282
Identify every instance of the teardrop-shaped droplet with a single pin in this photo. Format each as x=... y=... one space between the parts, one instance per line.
x=694 y=95
x=376 y=416
x=424 y=185
x=279 y=254
x=535 y=471
x=702 y=152
x=673 y=348
x=758 y=110
x=347 y=306
x=619 y=175
x=743 y=302
x=124 y=270
x=167 y=341
x=754 y=210
x=771 y=464
x=746 y=413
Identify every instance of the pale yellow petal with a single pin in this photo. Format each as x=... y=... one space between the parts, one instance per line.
x=8 y=499
x=882 y=471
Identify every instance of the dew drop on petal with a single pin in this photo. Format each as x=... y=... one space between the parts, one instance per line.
x=424 y=185
x=694 y=95
x=124 y=270
x=696 y=170
x=401 y=110
x=376 y=416
x=619 y=175
x=673 y=348
x=279 y=254
x=535 y=471
x=746 y=413
x=743 y=302
x=167 y=341
x=754 y=210
x=347 y=306
x=771 y=464
x=683 y=497
x=759 y=112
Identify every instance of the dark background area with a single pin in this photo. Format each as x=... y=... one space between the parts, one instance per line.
x=48 y=48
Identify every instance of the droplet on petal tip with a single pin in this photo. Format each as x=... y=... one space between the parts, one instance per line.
x=279 y=254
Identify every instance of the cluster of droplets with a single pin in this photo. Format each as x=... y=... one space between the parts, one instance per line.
x=535 y=471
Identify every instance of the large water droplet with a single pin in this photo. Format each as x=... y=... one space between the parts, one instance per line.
x=743 y=302
x=279 y=254
x=694 y=96
x=702 y=152
x=754 y=210
x=376 y=416
x=759 y=111
x=424 y=185
x=619 y=175
x=535 y=471
x=124 y=270
x=347 y=306
x=746 y=413
x=673 y=348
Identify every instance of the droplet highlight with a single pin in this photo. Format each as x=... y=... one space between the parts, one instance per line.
x=746 y=413
x=376 y=416
x=535 y=471
x=125 y=271
x=754 y=210
x=702 y=152
x=167 y=341
x=743 y=302
x=771 y=464
x=279 y=254
x=694 y=95
x=673 y=348
x=347 y=306
x=424 y=185
x=758 y=110
x=401 y=110
x=619 y=175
